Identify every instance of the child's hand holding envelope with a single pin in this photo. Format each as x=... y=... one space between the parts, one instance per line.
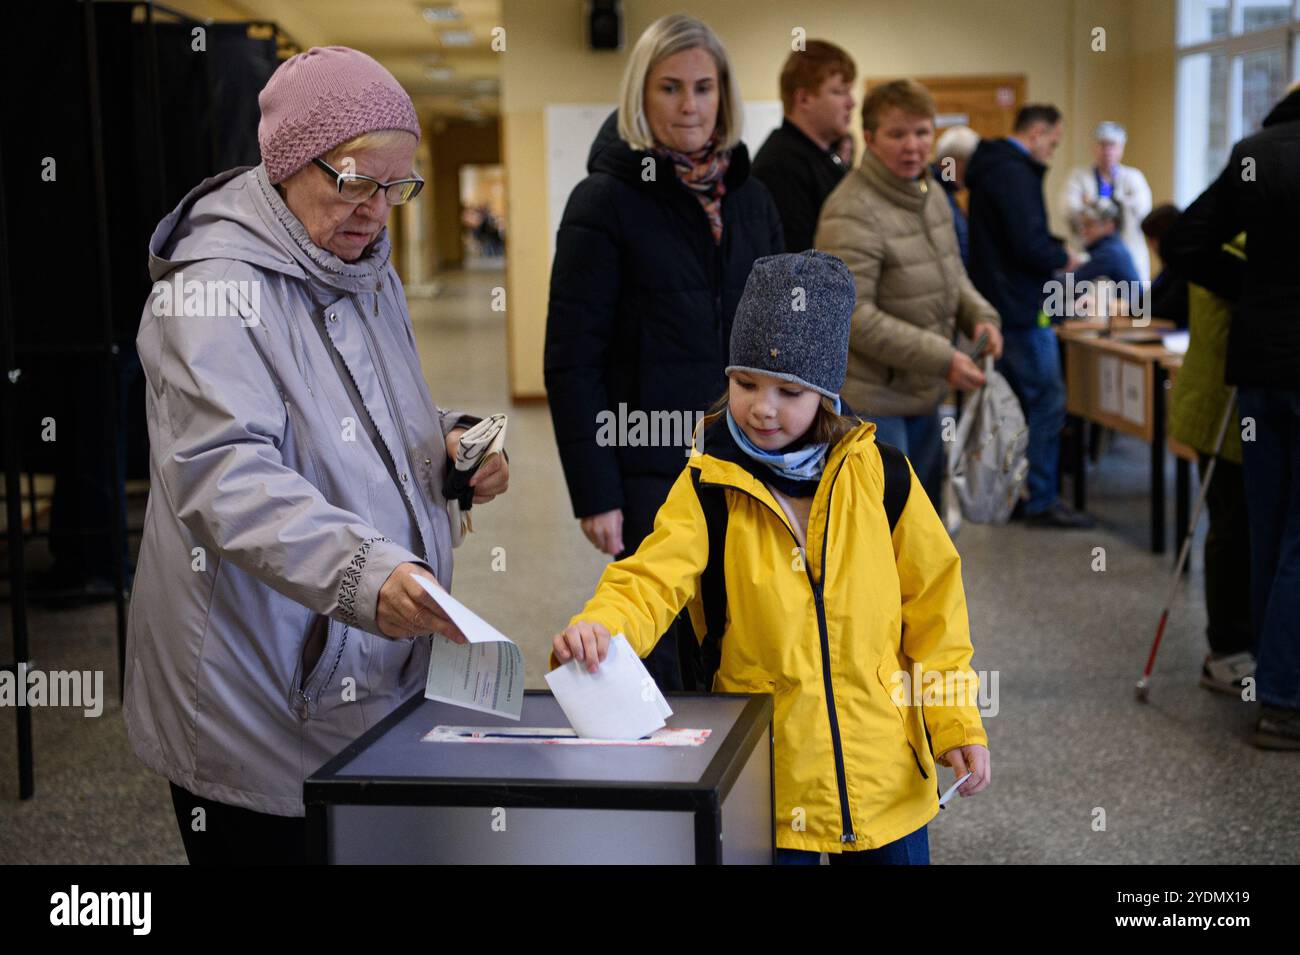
x=588 y=642
x=618 y=700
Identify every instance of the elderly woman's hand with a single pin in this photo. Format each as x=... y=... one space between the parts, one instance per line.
x=405 y=610
x=493 y=475
x=492 y=478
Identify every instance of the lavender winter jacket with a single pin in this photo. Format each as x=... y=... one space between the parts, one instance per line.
x=297 y=458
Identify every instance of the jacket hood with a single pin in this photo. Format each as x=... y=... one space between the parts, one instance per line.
x=611 y=155
x=1287 y=110
x=238 y=214
x=992 y=156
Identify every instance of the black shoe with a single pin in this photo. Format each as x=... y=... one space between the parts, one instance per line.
x=1060 y=516
x=1278 y=728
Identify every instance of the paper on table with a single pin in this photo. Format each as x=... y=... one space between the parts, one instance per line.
x=619 y=701
x=1177 y=342
x=485 y=674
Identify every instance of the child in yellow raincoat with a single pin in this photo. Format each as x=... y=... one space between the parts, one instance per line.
x=841 y=619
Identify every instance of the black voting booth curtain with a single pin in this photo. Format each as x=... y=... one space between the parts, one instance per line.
x=172 y=110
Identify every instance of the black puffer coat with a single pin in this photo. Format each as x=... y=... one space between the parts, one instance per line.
x=640 y=313
x=1258 y=193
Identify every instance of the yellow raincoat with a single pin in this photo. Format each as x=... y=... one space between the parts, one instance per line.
x=830 y=635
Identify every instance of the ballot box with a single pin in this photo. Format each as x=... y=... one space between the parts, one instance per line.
x=393 y=797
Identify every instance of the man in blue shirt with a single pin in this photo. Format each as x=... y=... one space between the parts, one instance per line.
x=1012 y=256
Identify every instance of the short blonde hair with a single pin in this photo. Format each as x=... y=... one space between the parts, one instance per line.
x=908 y=95
x=666 y=37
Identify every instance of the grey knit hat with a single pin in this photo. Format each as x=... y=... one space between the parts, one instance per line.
x=793 y=320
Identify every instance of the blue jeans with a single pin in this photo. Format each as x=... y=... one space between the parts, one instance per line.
x=919 y=437
x=1272 y=476
x=912 y=849
x=1031 y=363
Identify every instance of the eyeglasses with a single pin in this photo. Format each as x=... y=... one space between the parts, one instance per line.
x=358 y=188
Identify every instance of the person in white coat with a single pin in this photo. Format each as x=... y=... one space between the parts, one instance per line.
x=1125 y=185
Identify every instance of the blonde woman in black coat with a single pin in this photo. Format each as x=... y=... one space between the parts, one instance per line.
x=651 y=258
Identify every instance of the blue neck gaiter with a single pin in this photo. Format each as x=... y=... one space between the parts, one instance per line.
x=802 y=464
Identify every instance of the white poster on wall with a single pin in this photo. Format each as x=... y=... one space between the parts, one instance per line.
x=571 y=128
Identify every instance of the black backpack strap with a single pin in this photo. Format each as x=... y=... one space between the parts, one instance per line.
x=898 y=482
x=713 y=583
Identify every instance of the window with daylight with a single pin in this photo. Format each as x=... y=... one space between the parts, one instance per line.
x=1235 y=60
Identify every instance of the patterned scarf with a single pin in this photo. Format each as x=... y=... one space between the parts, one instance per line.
x=702 y=172
x=800 y=461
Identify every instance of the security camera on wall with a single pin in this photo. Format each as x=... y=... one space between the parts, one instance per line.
x=604 y=23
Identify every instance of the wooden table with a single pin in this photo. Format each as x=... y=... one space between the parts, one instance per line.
x=1118 y=380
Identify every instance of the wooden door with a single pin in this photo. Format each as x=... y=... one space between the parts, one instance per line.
x=987 y=104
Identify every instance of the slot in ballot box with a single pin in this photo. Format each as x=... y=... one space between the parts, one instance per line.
x=391 y=797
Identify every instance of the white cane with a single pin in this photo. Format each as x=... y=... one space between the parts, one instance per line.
x=1144 y=685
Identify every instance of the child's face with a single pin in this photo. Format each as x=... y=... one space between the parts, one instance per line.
x=771 y=411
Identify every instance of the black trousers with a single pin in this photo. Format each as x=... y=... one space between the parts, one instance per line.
x=232 y=835
x=1227 y=561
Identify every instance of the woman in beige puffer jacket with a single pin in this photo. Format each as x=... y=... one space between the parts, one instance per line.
x=891 y=225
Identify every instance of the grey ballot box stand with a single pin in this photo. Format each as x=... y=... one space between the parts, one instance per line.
x=390 y=797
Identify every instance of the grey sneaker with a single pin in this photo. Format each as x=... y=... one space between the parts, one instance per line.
x=1227 y=674
x=1278 y=728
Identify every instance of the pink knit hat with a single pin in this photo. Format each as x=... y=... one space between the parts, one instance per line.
x=326 y=96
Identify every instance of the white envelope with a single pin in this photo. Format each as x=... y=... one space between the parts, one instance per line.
x=619 y=701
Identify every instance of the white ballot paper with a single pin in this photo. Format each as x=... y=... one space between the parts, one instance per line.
x=486 y=674
x=619 y=701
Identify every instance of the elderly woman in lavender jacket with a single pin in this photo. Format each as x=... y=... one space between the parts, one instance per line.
x=297 y=466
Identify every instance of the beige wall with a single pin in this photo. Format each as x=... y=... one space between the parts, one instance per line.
x=1047 y=40
x=1151 y=95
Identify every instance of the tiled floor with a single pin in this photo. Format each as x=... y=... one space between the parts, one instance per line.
x=1081 y=771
